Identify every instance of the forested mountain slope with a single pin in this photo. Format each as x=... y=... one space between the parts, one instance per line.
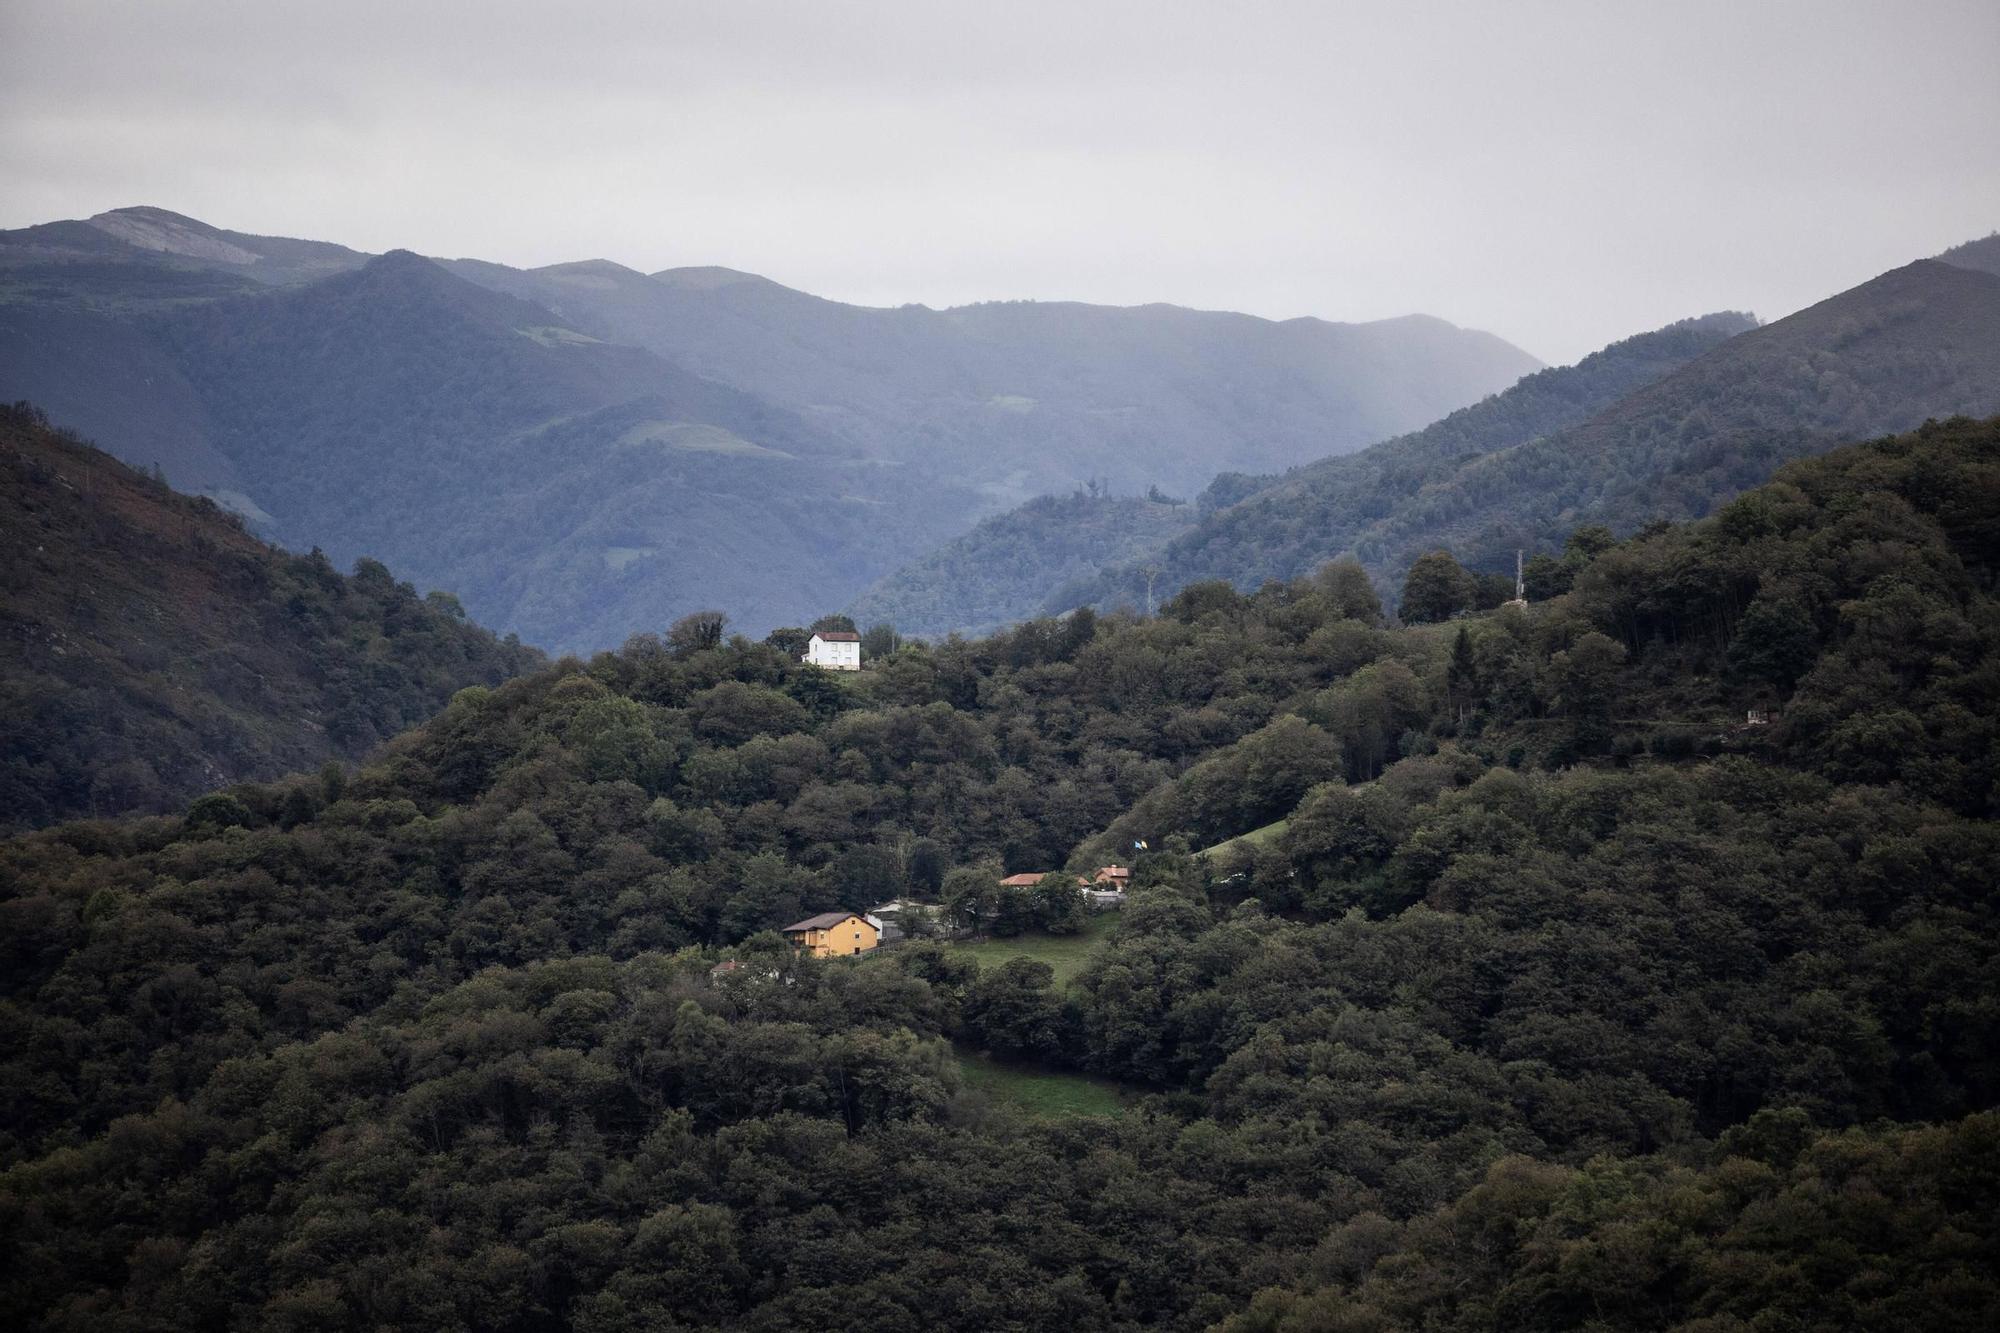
x=1921 y=341
x=1882 y=1228
x=1001 y=572
x=583 y=450
x=569 y=489
x=1569 y=1013
x=108 y=379
x=152 y=650
x=574 y=489
x=1292 y=523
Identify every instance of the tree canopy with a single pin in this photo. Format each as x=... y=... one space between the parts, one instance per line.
x=1489 y=975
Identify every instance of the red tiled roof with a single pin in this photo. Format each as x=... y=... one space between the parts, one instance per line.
x=1023 y=881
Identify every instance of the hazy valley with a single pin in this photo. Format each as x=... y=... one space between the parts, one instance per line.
x=584 y=450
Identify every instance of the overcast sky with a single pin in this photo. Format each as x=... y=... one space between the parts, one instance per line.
x=1559 y=173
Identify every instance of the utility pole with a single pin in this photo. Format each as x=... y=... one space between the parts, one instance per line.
x=1151 y=572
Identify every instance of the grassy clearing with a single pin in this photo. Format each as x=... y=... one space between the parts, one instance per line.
x=550 y=335
x=1050 y=1096
x=695 y=438
x=617 y=557
x=1065 y=954
x=1251 y=841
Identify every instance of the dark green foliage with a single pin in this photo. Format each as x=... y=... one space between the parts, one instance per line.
x=1012 y=1011
x=697 y=631
x=1563 y=999
x=974 y=897
x=1461 y=680
x=1244 y=786
x=1584 y=680
x=1876 y=1229
x=1544 y=577
x=1861 y=576
x=880 y=641
x=1776 y=640
x=155 y=650
x=1436 y=588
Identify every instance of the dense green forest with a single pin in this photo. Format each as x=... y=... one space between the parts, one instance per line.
x=1568 y=996
x=153 y=650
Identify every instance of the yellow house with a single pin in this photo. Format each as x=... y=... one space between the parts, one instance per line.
x=833 y=933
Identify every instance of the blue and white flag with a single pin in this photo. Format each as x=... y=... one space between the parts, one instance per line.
x=1139 y=844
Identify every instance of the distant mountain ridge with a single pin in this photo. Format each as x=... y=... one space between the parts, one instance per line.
x=1139 y=396
x=1663 y=425
x=1001 y=571
x=408 y=407
x=1917 y=342
x=1025 y=396
x=471 y=440
x=179 y=241
x=1289 y=522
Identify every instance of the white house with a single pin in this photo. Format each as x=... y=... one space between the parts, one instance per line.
x=835 y=651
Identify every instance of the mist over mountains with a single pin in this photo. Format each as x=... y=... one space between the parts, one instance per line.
x=1918 y=342
x=583 y=451
x=1290 y=519
x=1665 y=425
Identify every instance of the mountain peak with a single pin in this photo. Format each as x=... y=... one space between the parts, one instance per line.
x=607 y=268
x=403 y=274
x=158 y=229
x=391 y=261
x=592 y=275
x=709 y=278
x=153 y=213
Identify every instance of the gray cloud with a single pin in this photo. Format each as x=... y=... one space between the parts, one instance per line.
x=1560 y=173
